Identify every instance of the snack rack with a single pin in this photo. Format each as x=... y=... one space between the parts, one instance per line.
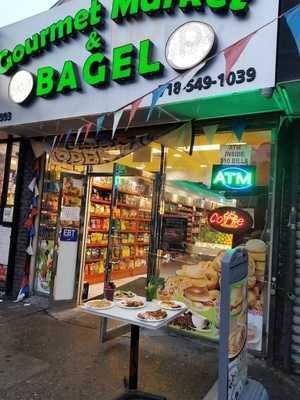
x=131 y=242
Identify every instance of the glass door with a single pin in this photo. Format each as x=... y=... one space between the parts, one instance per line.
x=128 y=251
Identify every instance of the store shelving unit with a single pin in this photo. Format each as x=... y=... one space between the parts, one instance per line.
x=131 y=244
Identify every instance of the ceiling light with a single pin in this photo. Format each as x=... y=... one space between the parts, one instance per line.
x=169 y=167
x=156 y=151
x=177 y=155
x=203 y=166
x=207 y=147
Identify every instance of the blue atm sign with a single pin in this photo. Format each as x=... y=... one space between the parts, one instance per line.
x=233 y=178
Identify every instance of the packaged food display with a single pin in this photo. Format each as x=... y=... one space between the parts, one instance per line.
x=132 y=219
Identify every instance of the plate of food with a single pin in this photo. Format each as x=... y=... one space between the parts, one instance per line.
x=123 y=294
x=152 y=316
x=171 y=305
x=131 y=303
x=99 y=304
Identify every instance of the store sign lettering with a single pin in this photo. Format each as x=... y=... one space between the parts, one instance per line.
x=128 y=8
x=235 y=178
x=126 y=61
x=230 y=220
x=97 y=71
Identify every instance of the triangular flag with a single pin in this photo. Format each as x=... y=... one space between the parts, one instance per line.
x=54 y=142
x=134 y=107
x=210 y=132
x=32 y=184
x=155 y=97
x=61 y=138
x=238 y=128
x=180 y=137
x=233 y=53
x=99 y=124
x=78 y=135
x=68 y=135
x=117 y=117
x=292 y=18
x=87 y=131
x=38 y=148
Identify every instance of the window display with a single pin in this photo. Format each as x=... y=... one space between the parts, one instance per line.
x=226 y=206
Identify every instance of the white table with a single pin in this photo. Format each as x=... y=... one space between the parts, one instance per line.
x=129 y=316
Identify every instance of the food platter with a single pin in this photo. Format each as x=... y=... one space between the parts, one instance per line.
x=171 y=305
x=123 y=294
x=131 y=304
x=99 y=304
x=152 y=316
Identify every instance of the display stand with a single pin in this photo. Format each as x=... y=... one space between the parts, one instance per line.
x=129 y=316
x=233 y=383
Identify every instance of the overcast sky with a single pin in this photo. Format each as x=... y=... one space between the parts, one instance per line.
x=14 y=10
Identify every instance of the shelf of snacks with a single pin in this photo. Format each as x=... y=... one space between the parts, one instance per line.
x=132 y=217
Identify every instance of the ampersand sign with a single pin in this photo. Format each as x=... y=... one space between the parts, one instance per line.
x=94 y=42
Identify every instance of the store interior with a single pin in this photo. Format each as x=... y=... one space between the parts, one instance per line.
x=188 y=242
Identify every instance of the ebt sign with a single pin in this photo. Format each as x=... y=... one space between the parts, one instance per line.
x=124 y=64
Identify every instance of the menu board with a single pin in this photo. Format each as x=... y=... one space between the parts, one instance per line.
x=174 y=233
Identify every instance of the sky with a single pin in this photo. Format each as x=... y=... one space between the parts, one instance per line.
x=15 y=10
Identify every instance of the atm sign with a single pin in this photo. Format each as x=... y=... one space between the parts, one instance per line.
x=236 y=178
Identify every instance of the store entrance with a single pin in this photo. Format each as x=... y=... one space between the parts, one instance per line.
x=119 y=217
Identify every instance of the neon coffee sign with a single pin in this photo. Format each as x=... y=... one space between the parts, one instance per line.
x=233 y=178
x=230 y=220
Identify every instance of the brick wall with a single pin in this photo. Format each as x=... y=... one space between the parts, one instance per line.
x=22 y=203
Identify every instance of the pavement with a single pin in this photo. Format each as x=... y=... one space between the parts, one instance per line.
x=56 y=355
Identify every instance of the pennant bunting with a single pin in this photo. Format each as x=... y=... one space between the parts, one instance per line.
x=238 y=128
x=293 y=20
x=54 y=142
x=32 y=184
x=87 y=131
x=117 y=116
x=68 y=135
x=233 y=53
x=210 y=132
x=61 y=138
x=155 y=97
x=78 y=135
x=134 y=107
x=99 y=124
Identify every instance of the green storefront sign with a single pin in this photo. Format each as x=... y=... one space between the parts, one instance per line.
x=126 y=62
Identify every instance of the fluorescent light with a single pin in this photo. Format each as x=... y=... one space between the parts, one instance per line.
x=205 y=147
x=169 y=167
x=156 y=151
x=177 y=155
x=203 y=166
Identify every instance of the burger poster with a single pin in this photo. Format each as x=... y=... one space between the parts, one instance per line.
x=198 y=286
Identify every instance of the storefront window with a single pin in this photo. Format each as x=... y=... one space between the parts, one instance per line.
x=10 y=199
x=216 y=199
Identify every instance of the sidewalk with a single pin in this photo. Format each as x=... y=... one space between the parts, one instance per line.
x=58 y=357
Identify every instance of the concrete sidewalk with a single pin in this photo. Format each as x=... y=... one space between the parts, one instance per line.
x=58 y=357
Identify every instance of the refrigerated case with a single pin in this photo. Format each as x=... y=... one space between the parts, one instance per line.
x=49 y=224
